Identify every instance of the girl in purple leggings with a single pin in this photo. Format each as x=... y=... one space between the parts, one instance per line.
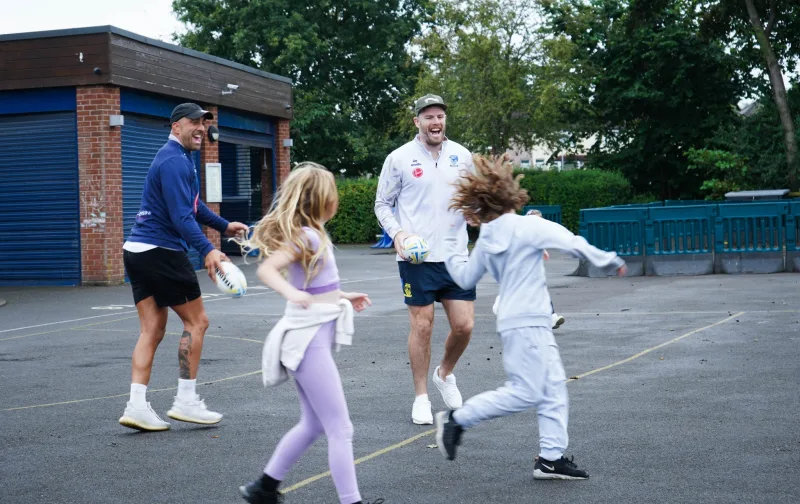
x=292 y=237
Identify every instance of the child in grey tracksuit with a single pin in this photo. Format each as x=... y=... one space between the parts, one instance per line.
x=510 y=249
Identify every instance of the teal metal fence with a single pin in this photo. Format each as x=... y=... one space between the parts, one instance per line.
x=620 y=230
x=549 y=212
x=793 y=227
x=679 y=230
x=751 y=227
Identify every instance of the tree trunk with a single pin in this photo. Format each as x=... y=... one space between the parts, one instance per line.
x=779 y=92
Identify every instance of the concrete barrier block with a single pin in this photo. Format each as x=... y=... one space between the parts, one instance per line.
x=635 y=268
x=734 y=263
x=679 y=264
x=793 y=262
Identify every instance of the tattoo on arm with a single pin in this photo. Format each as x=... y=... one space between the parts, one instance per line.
x=184 y=350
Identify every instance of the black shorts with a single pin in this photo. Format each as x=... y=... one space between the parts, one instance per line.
x=165 y=274
x=428 y=282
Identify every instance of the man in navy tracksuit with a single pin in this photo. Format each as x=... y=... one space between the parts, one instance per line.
x=161 y=275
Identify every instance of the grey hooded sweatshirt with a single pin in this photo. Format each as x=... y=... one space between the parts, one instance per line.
x=510 y=248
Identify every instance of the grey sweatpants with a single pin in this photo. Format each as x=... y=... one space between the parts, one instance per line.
x=536 y=379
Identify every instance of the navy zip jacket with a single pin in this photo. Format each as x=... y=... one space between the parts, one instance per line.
x=171 y=208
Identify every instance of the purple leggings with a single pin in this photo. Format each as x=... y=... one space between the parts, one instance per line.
x=322 y=409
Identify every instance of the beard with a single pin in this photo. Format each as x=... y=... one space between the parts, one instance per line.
x=431 y=140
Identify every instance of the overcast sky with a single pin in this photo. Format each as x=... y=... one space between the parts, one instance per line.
x=150 y=18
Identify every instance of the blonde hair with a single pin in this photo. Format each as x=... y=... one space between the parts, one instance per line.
x=307 y=198
x=489 y=192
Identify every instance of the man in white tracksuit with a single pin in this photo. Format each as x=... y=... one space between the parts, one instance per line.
x=413 y=197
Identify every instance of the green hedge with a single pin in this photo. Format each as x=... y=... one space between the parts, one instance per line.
x=355 y=222
x=576 y=189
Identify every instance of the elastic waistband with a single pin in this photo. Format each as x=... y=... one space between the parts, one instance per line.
x=527 y=320
x=322 y=289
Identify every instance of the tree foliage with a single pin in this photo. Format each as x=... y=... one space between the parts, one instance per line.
x=724 y=171
x=764 y=35
x=654 y=89
x=759 y=138
x=348 y=61
x=484 y=57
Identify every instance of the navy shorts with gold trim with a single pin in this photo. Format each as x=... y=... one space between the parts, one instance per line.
x=426 y=283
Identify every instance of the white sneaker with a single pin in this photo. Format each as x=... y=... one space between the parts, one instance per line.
x=144 y=419
x=421 y=412
x=557 y=320
x=193 y=411
x=449 y=390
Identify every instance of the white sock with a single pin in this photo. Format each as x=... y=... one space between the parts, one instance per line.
x=421 y=397
x=186 y=389
x=138 y=398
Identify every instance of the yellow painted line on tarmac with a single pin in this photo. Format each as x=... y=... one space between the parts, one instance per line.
x=388 y=449
x=652 y=349
x=401 y=444
x=76 y=401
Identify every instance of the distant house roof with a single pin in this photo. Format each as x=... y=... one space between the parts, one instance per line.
x=750 y=109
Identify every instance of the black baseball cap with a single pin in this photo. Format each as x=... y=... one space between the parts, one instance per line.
x=190 y=111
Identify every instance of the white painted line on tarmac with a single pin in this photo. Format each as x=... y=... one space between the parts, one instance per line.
x=117 y=313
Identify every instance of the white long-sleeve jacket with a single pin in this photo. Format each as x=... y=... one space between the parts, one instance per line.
x=286 y=343
x=510 y=249
x=421 y=188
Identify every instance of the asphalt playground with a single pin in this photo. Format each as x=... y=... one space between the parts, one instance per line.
x=684 y=389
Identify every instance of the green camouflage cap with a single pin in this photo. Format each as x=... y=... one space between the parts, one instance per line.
x=427 y=101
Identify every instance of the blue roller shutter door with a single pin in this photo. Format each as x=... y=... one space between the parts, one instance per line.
x=40 y=229
x=142 y=137
x=241 y=154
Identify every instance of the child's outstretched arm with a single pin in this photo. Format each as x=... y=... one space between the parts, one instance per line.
x=270 y=273
x=359 y=300
x=546 y=234
x=466 y=270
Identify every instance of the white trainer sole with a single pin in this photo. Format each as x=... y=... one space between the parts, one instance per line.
x=540 y=475
x=132 y=423
x=176 y=415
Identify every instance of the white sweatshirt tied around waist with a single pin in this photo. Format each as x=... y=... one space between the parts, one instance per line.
x=286 y=343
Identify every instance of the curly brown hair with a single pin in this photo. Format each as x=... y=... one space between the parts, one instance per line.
x=489 y=192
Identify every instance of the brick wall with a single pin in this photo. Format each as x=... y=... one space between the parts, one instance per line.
x=282 y=154
x=100 y=172
x=209 y=153
x=266 y=181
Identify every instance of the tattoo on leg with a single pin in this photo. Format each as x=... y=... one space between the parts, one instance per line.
x=184 y=350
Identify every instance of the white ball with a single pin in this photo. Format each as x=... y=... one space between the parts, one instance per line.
x=231 y=280
x=415 y=249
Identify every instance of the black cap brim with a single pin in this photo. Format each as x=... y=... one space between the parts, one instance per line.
x=197 y=114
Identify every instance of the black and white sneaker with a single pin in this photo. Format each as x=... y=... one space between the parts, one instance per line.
x=254 y=493
x=448 y=434
x=563 y=468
